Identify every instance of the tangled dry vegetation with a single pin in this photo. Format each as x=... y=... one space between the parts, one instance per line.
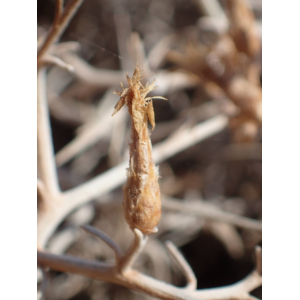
x=206 y=197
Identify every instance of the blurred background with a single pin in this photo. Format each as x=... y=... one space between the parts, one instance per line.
x=206 y=59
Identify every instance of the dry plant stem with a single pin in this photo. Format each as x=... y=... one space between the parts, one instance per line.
x=58 y=11
x=58 y=62
x=64 y=47
x=188 y=137
x=239 y=290
x=229 y=236
x=91 y=75
x=137 y=281
x=84 y=140
x=104 y=272
x=138 y=244
x=158 y=52
x=211 y=212
x=59 y=25
x=123 y=262
x=184 y=266
x=108 y=241
x=174 y=81
x=46 y=160
x=88 y=134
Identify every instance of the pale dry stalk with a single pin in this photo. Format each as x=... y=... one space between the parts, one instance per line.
x=121 y=272
x=61 y=21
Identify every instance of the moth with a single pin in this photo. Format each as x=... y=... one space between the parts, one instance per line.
x=142 y=200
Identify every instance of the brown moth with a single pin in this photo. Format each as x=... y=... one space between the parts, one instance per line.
x=142 y=204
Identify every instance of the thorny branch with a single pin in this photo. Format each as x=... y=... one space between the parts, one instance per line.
x=128 y=277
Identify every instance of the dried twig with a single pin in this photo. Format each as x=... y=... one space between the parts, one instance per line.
x=108 y=241
x=58 y=62
x=159 y=51
x=46 y=162
x=137 y=281
x=89 y=74
x=138 y=244
x=61 y=21
x=188 y=136
x=229 y=236
x=89 y=133
x=184 y=266
x=211 y=212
